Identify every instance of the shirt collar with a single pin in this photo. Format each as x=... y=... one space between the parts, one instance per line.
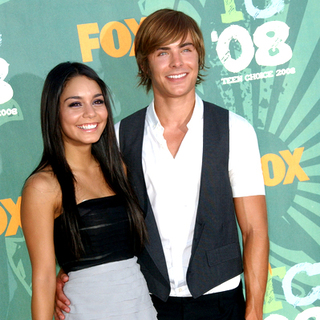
x=154 y=122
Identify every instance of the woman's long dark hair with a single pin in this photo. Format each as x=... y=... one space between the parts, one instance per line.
x=105 y=151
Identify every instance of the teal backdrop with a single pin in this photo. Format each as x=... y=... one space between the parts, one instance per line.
x=263 y=58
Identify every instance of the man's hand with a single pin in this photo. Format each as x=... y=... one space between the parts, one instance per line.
x=62 y=301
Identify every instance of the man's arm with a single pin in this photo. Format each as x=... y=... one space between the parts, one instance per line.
x=251 y=213
x=62 y=301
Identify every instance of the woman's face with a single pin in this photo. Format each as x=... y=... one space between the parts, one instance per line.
x=83 y=113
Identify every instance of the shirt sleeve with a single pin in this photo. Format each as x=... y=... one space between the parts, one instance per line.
x=245 y=170
x=116 y=129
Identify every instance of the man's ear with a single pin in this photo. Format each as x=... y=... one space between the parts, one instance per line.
x=143 y=68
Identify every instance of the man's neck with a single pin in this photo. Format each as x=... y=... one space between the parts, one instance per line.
x=174 y=112
x=174 y=115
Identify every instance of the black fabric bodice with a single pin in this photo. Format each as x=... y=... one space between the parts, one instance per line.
x=105 y=233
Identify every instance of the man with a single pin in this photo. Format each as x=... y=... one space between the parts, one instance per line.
x=193 y=165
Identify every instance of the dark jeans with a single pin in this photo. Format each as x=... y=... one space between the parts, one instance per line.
x=228 y=305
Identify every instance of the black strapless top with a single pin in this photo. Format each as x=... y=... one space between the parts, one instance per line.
x=105 y=232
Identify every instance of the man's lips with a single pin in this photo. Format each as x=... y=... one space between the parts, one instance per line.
x=177 y=76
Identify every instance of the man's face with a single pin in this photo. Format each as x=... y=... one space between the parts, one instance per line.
x=174 y=69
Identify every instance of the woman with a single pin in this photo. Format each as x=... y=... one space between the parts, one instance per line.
x=77 y=206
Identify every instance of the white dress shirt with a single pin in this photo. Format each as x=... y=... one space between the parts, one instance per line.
x=173 y=185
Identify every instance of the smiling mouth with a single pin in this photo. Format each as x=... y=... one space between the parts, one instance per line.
x=88 y=126
x=177 y=76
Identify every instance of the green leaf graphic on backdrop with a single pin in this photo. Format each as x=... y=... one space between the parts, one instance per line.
x=17 y=261
x=149 y=6
x=3 y=1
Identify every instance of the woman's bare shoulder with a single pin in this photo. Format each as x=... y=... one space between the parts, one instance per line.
x=42 y=184
x=44 y=181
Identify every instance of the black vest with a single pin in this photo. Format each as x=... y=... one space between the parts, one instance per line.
x=215 y=255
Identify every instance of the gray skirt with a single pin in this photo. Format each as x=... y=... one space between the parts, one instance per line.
x=115 y=290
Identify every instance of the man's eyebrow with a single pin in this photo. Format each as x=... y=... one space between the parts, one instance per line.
x=185 y=44
x=182 y=45
x=162 y=48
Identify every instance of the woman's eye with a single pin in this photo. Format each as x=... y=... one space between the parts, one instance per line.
x=99 y=101
x=75 y=104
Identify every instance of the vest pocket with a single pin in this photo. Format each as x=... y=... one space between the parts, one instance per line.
x=223 y=254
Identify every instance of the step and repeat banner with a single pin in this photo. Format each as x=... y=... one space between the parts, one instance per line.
x=263 y=58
